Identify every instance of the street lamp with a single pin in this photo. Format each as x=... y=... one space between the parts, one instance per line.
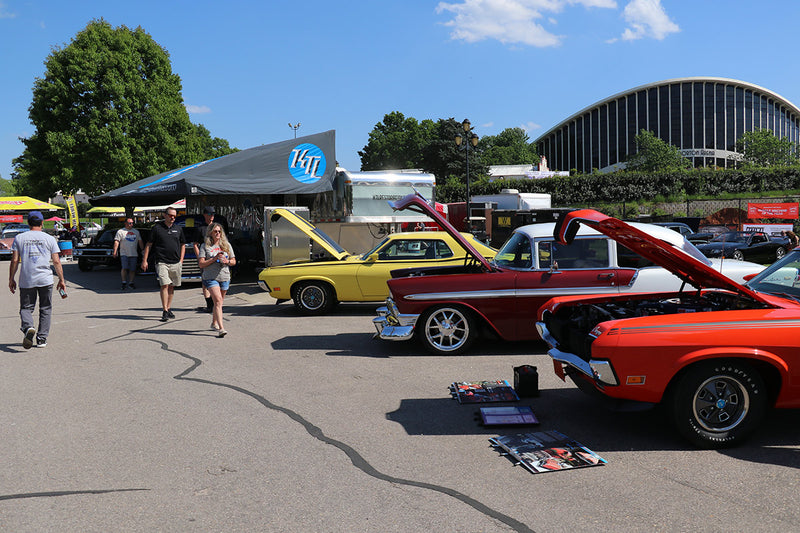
x=472 y=139
x=295 y=128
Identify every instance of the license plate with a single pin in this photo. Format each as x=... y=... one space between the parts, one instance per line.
x=558 y=367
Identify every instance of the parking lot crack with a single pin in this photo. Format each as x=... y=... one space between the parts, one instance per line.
x=355 y=457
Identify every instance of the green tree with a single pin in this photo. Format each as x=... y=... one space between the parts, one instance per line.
x=511 y=147
x=761 y=148
x=444 y=159
x=107 y=112
x=653 y=154
x=396 y=143
x=7 y=188
x=211 y=147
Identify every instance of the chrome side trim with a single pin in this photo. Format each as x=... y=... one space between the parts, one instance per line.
x=512 y=293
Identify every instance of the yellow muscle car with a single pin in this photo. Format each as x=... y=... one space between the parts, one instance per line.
x=330 y=274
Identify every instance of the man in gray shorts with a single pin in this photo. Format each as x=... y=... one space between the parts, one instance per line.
x=128 y=243
x=168 y=245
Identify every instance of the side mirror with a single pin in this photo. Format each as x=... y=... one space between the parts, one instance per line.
x=372 y=258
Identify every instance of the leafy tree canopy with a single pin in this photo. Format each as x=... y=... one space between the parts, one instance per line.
x=511 y=147
x=761 y=148
x=654 y=154
x=108 y=111
x=396 y=143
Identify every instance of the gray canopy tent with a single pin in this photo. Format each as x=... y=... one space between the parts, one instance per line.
x=306 y=165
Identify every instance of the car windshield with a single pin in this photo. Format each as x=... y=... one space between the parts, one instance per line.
x=375 y=249
x=731 y=236
x=782 y=278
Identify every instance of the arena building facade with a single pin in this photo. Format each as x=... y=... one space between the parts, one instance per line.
x=703 y=117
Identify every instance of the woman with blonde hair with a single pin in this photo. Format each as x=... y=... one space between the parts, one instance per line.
x=216 y=257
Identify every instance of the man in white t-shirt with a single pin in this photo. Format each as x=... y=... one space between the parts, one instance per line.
x=128 y=244
x=32 y=253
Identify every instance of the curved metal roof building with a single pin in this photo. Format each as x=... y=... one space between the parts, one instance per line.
x=703 y=117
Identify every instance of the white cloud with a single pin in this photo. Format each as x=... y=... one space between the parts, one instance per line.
x=198 y=109
x=510 y=21
x=4 y=13
x=647 y=18
x=530 y=126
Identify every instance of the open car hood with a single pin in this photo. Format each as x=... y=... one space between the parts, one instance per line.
x=317 y=235
x=416 y=203
x=660 y=252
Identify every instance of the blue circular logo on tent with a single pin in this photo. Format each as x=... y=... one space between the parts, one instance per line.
x=307 y=163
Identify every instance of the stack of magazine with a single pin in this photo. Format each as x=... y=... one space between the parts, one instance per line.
x=546 y=451
x=483 y=391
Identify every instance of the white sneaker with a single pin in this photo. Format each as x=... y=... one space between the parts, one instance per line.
x=41 y=344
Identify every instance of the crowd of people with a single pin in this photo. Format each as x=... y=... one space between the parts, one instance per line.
x=34 y=251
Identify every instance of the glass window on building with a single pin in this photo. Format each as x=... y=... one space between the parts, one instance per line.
x=709 y=119
x=602 y=137
x=698 y=105
x=686 y=115
x=764 y=112
x=612 y=133
x=595 y=130
x=770 y=125
x=652 y=110
x=633 y=125
x=580 y=144
x=748 y=111
x=641 y=110
x=730 y=119
x=719 y=104
x=571 y=151
x=622 y=131
x=739 y=113
x=675 y=113
x=663 y=113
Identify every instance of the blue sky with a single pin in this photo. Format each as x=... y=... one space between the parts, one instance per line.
x=249 y=68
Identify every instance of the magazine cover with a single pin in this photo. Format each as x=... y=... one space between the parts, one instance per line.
x=546 y=451
x=483 y=391
x=508 y=416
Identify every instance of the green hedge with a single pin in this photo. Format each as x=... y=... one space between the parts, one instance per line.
x=629 y=186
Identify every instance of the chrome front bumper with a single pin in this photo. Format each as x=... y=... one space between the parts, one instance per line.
x=390 y=325
x=598 y=370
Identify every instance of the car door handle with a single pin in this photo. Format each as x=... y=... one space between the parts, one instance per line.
x=609 y=275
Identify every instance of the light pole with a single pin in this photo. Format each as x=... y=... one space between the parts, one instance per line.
x=472 y=139
x=295 y=127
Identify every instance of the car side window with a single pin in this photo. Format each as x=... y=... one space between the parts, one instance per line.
x=581 y=253
x=414 y=249
x=515 y=253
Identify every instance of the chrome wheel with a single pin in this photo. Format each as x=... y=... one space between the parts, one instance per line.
x=780 y=252
x=738 y=255
x=313 y=298
x=720 y=403
x=447 y=330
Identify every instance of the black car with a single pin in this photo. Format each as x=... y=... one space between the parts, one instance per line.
x=99 y=251
x=754 y=246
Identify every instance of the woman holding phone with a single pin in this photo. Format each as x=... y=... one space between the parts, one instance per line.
x=216 y=257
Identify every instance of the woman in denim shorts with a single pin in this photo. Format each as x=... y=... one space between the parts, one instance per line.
x=216 y=258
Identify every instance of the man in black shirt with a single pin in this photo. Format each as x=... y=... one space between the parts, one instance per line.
x=167 y=242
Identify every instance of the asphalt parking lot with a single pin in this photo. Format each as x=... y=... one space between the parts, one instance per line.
x=299 y=424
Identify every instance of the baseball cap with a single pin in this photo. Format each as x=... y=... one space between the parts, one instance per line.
x=35 y=216
x=208 y=210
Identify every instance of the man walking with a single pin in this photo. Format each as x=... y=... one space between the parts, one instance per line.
x=32 y=252
x=128 y=243
x=168 y=245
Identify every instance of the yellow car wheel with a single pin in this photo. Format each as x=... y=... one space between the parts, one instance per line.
x=313 y=297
